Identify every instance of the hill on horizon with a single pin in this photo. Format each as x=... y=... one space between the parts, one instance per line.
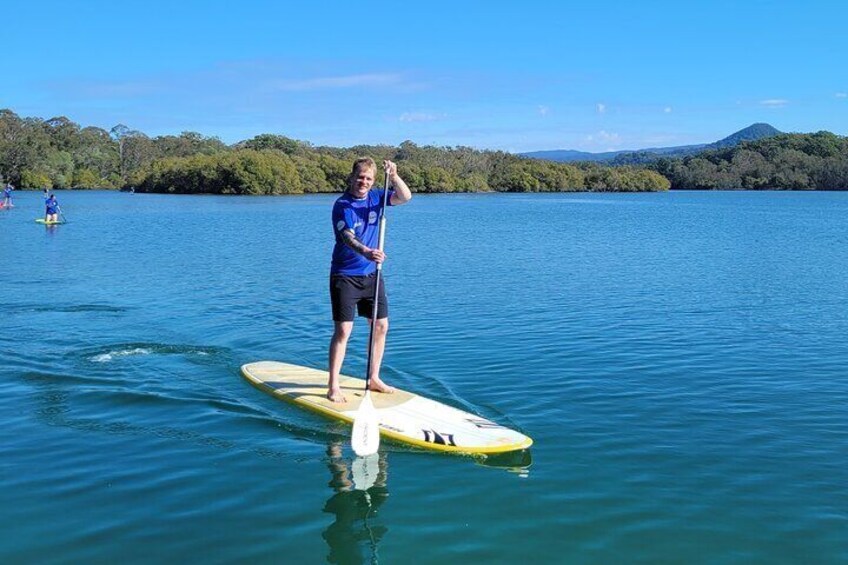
x=630 y=157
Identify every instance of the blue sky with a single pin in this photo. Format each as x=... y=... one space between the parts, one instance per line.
x=516 y=76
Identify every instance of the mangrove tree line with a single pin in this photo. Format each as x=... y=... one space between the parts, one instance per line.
x=59 y=153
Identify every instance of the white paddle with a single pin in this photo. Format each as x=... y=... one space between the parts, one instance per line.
x=365 y=439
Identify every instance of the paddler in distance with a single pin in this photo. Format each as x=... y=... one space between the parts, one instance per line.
x=51 y=212
x=7 y=196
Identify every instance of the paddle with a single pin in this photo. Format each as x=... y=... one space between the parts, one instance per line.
x=61 y=215
x=365 y=439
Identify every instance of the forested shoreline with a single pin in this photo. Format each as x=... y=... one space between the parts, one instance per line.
x=58 y=153
x=817 y=161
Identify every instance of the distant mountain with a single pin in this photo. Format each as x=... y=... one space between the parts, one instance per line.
x=750 y=133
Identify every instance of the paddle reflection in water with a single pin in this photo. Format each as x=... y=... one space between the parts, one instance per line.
x=359 y=489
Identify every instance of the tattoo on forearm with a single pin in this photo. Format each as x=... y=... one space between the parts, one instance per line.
x=350 y=240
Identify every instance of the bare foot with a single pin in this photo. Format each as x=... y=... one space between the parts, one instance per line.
x=379 y=386
x=336 y=396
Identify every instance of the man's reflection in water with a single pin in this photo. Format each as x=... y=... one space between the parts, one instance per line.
x=358 y=494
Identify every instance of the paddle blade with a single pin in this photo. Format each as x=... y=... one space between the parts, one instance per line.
x=366 y=428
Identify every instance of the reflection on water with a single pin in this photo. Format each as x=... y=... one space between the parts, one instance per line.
x=359 y=489
x=517 y=462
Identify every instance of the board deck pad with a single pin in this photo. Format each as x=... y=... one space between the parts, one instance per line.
x=404 y=416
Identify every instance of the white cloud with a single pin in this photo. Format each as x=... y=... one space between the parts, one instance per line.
x=601 y=108
x=842 y=94
x=774 y=103
x=544 y=110
x=667 y=109
x=420 y=117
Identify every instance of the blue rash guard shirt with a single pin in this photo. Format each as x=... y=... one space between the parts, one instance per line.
x=52 y=205
x=361 y=216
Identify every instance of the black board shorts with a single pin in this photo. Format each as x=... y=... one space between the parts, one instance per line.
x=355 y=294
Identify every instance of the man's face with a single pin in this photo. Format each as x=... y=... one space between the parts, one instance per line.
x=363 y=181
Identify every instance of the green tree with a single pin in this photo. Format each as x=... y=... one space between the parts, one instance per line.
x=515 y=176
x=24 y=144
x=186 y=144
x=59 y=166
x=312 y=177
x=97 y=152
x=472 y=182
x=279 y=142
x=335 y=171
x=35 y=179
x=64 y=134
x=87 y=178
x=437 y=179
x=246 y=171
x=127 y=160
x=138 y=152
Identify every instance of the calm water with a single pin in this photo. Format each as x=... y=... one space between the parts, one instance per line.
x=680 y=360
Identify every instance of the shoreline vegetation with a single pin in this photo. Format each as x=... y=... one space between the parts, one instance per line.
x=58 y=153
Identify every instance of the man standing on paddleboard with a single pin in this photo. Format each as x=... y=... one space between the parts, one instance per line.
x=7 y=196
x=356 y=215
x=51 y=212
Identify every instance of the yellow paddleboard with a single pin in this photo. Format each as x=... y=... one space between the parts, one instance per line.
x=404 y=416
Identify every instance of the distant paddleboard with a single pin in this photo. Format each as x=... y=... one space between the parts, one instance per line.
x=46 y=223
x=404 y=416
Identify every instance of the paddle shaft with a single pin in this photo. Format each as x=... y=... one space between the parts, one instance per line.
x=381 y=234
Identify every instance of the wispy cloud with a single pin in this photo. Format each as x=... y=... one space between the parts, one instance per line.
x=603 y=139
x=774 y=103
x=601 y=108
x=841 y=94
x=667 y=109
x=253 y=79
x=420 y=117
x=339 y=82
x=104 y=89
x=544 y=110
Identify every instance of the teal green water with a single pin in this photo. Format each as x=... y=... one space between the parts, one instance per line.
x=679 y=359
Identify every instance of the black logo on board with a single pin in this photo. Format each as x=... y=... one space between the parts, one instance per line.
x=432 y=436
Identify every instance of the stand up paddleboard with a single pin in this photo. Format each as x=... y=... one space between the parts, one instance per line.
x=404 y=416
x=46 y=223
